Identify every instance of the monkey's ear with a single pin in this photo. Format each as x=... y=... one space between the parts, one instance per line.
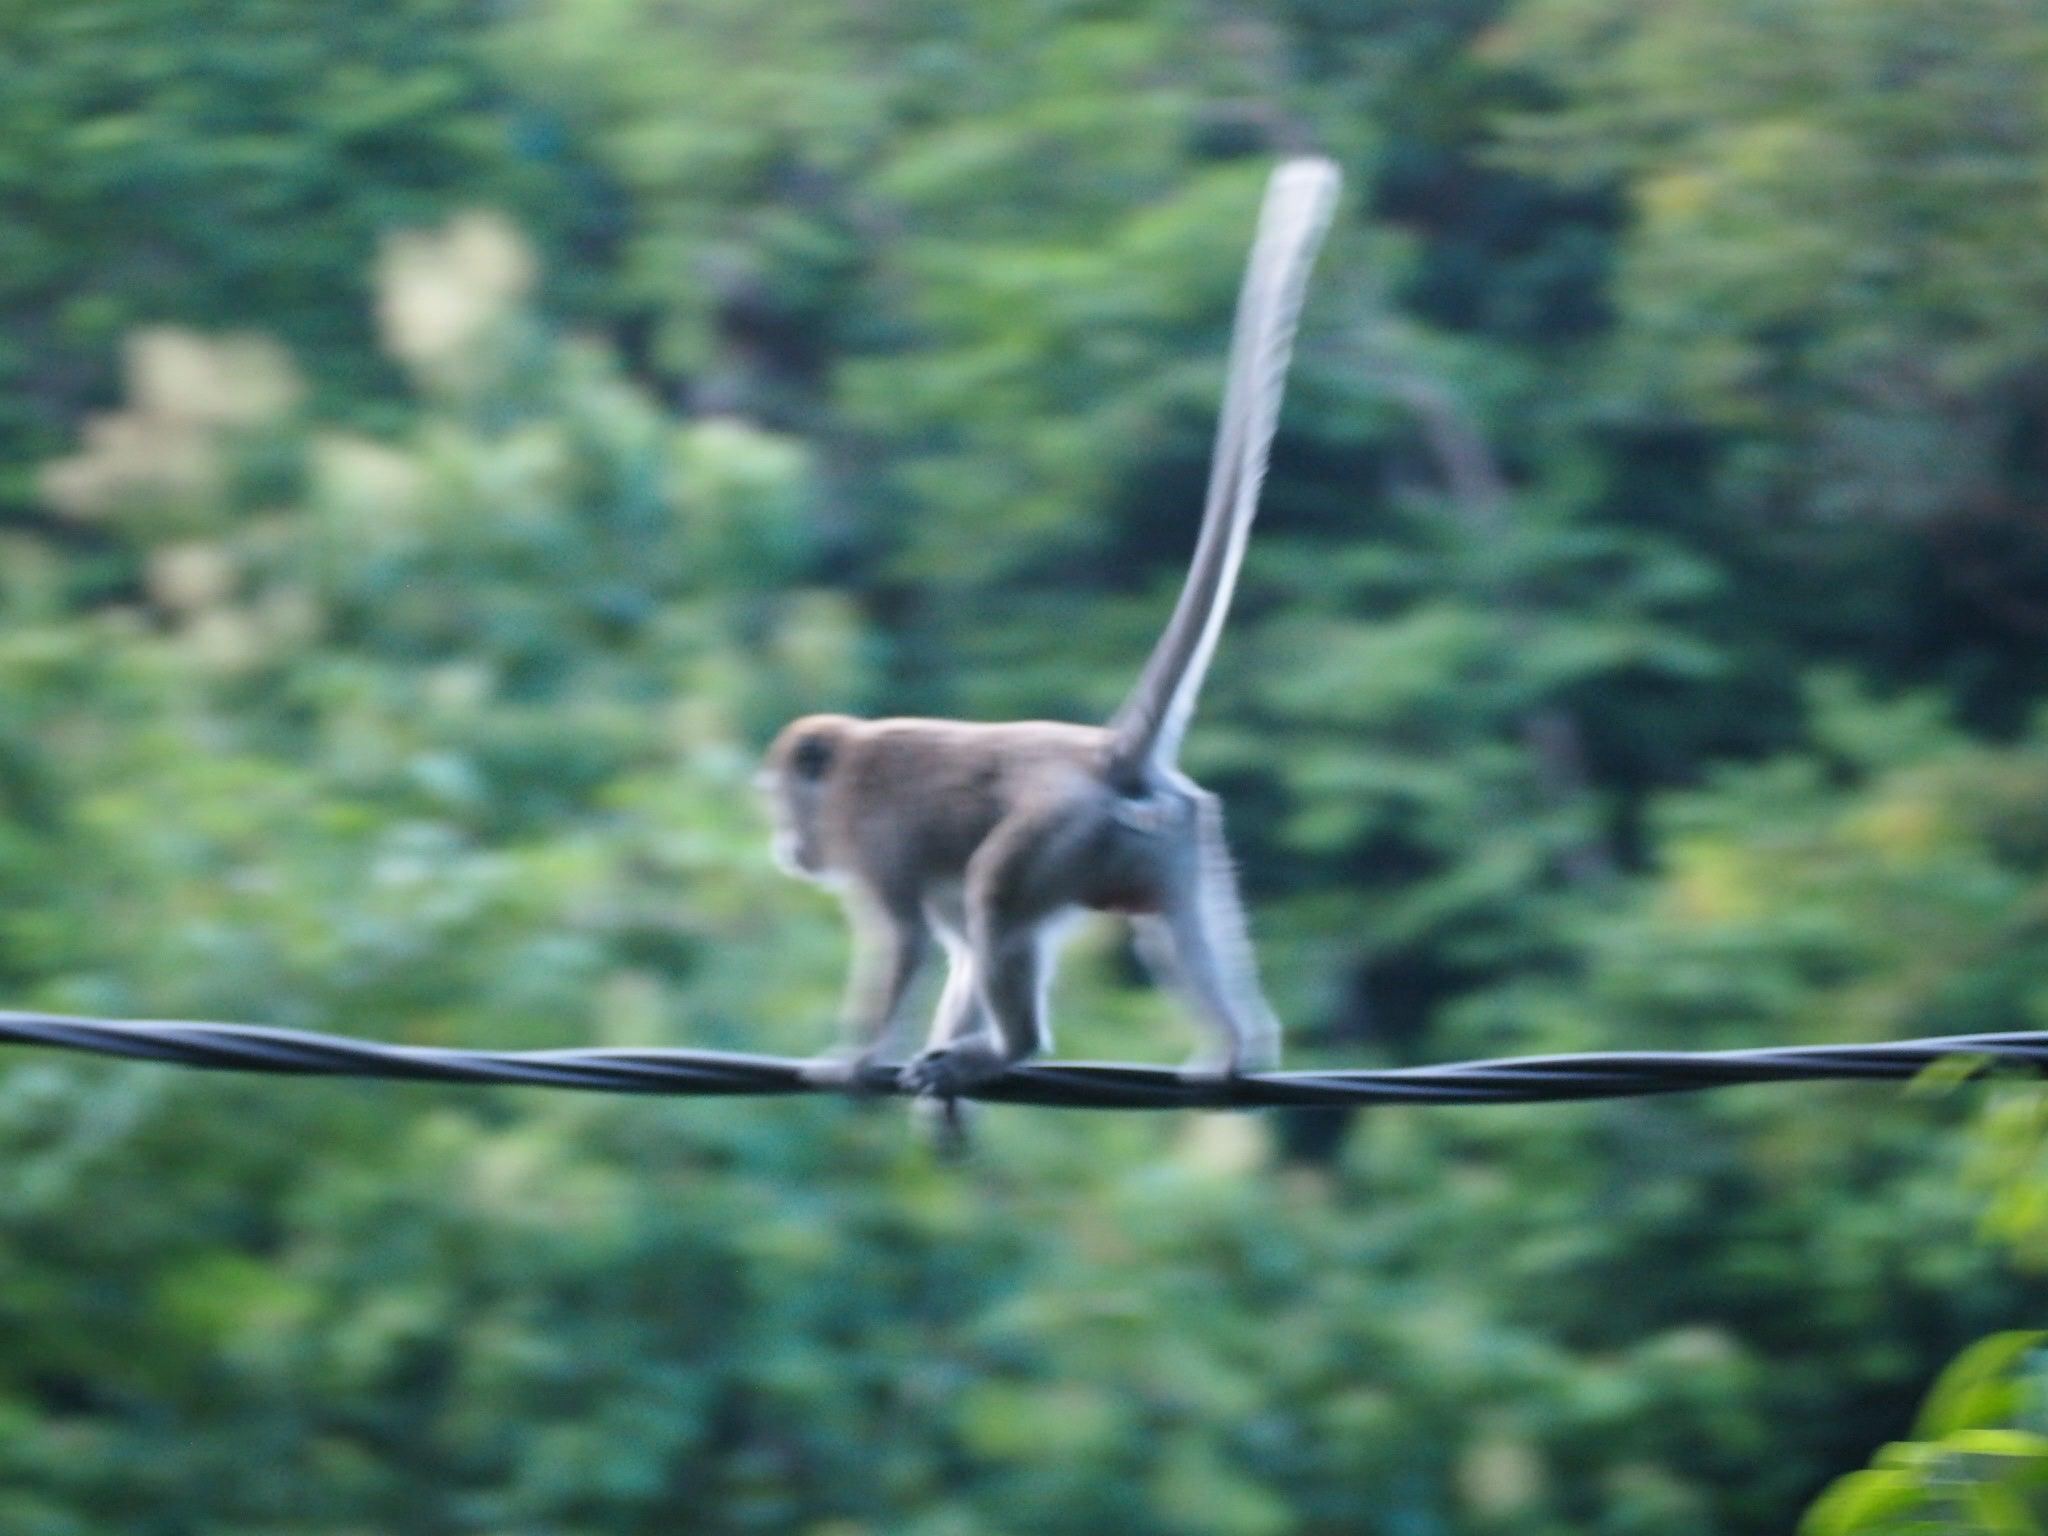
x=811 y=756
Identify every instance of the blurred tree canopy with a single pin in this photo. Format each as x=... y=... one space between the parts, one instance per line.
x=443 y=440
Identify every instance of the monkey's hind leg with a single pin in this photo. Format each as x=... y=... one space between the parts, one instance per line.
x=1017 y=883
x=947 y=1123
x=1199 y=947
x=967 y=1047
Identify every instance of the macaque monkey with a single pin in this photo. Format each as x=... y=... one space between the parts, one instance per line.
x=986 y=837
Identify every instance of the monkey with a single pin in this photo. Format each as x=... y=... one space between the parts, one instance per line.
x=984 y=839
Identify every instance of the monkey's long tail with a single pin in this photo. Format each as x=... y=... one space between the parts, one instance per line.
x=1146 y=732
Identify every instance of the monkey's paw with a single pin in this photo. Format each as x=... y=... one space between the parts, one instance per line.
x=850 y=1071
x=1220 y=1066
x=949 y=1070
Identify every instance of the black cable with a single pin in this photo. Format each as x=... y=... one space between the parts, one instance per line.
x=1069 y=1085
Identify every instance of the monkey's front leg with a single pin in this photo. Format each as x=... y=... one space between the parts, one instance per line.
x=960 y=1014
x=889 y=950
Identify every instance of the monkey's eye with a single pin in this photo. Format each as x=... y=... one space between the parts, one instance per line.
x=811 y=757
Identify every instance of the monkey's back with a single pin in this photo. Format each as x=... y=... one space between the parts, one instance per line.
x=916 y=797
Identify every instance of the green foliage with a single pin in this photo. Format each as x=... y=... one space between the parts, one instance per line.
x=447 y=440
x=1967 y=1468
x=206 y=164
x=1831 y=283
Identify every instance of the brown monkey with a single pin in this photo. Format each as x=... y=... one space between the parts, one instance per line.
x=987 y=836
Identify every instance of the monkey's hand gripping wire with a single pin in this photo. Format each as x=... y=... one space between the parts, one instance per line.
x=1066 y=1085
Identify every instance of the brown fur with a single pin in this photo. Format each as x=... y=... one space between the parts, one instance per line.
x=987 y=835
x=984 y=834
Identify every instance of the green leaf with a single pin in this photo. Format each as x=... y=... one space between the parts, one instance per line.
x=1976 y=1391
x=1862 y=1502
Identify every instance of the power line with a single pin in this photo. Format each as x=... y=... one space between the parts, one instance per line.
x=1068 y=1085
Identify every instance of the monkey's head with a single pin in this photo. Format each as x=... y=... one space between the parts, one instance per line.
x=793 y=779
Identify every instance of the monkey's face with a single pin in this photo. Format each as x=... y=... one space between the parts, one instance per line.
x=793 y=780
x=793 y=809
